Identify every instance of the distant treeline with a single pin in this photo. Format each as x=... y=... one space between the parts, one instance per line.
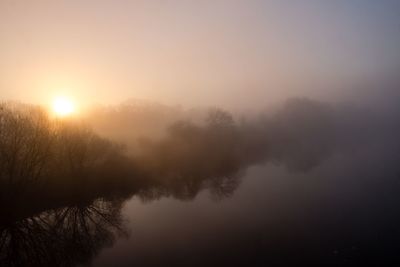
x=62 y=159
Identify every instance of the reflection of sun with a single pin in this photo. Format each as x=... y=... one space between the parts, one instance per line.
x=63 y=106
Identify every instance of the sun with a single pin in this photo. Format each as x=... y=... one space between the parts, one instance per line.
x=63 y=106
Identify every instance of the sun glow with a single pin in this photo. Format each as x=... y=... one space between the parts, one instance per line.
x=63 y=106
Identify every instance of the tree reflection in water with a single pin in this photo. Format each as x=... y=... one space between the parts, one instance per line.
x=61 y=237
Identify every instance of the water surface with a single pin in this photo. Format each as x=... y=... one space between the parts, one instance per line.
x=343 y=211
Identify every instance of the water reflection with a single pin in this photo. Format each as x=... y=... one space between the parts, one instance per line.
x=64 y=236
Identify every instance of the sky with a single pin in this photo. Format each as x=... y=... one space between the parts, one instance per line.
x=227 y=53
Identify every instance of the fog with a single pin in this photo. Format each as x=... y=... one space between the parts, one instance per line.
x=234 y=55
x=51 y=167
x=146 y=147
x=208 y=133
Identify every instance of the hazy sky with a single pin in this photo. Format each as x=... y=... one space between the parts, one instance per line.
x=230 y=53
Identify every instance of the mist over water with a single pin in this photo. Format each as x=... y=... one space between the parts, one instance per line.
x=308 y=181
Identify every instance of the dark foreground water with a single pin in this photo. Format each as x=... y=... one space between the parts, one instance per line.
x=343 y=212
